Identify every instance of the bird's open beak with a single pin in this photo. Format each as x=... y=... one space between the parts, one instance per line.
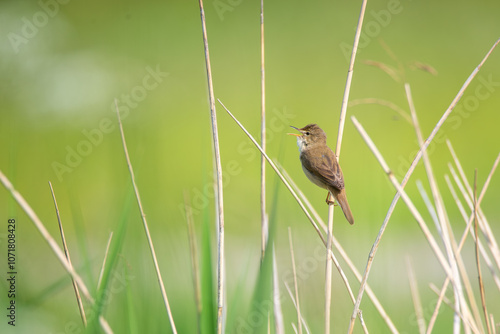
x=294 y=134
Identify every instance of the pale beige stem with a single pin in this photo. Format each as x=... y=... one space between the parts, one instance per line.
x=478 y=259
x=417 y=303
x=145 y=223
x=66 y=252
x=263 y=213
x=340 y=134
x=279 y=324
x=294 y=271
x=219 y=203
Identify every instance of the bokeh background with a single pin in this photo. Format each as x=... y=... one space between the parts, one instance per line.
x=63 y=65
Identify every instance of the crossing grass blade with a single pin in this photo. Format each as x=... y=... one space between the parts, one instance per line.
x=262 y=300
x=112 y=258
x=81 y=238
x=133 y=324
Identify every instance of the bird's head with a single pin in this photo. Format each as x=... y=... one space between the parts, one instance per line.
x=310 y=135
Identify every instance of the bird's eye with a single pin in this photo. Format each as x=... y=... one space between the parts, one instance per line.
x=307 y=133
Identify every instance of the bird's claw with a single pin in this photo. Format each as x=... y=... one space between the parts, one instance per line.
x=330 y=200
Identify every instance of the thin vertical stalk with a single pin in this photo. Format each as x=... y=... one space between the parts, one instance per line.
x=263 y=214
x=218 y=171
x=419 y=311
x=145 y=223
x=302 y=320
x=297 y=304
x=350 y=72
x=279 y=324
x=328 y=269
x=478 y=259
x=340 y=133
x=66 y=252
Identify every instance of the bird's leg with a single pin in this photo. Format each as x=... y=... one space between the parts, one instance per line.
x=330 y=199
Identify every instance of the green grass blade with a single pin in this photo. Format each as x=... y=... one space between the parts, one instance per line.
x=262 y=301
x=113 y=256
x=131 y=301
x=81 y=236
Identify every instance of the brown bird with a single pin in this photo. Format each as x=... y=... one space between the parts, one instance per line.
x=321 y=166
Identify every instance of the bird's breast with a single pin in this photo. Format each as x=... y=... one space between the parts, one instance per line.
x=313 y=178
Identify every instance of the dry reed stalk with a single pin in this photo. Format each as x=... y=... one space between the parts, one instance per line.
x=417 y=303
x=263 y=214
x=328 y=269
x=66 y=252
x=478 y=259
x=350 y=73
x=219 y=205
x=400 y=191
x=340 y=134
x=302 y=320
x=297 y=304
x=279 y=324
x=144 y=222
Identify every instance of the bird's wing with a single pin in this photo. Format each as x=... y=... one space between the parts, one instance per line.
x=326 y=168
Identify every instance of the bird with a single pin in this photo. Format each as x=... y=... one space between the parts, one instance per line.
x=320 y=165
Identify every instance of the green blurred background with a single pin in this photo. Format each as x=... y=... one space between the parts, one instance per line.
x=63 y=65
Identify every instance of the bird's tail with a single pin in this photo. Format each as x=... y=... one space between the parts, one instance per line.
x=342 y=200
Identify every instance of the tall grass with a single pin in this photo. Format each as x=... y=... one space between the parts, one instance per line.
x=470 y=313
